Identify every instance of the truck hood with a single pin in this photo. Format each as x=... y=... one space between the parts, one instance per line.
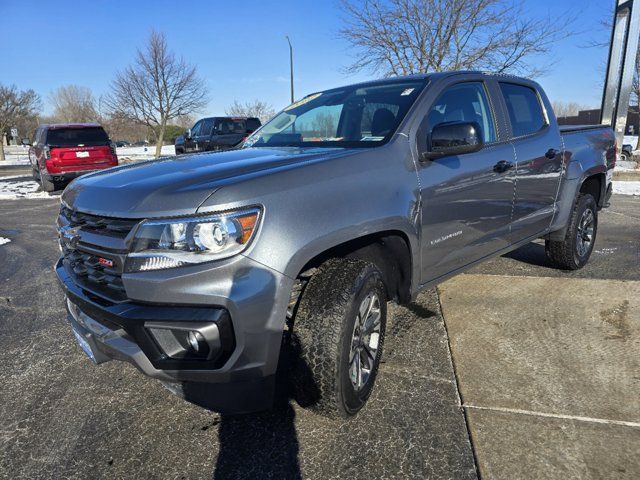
x=179 y=185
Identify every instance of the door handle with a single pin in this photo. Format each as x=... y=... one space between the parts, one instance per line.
x=551 y=153
x=502 y=166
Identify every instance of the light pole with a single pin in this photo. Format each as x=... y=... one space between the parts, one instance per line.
x=290 y=65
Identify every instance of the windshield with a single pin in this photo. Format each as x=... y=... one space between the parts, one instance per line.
x=79 y=136
x=357 y=116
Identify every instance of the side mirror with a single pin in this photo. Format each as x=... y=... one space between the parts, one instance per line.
x=187 y=134
x=453 y=138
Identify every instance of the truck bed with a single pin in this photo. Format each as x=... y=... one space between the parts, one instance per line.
x=580 y=128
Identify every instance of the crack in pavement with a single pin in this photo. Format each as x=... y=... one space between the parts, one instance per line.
x=560 y=416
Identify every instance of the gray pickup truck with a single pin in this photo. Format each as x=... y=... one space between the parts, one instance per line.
x=199 y=269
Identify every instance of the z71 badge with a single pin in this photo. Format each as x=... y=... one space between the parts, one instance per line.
x=105 y=262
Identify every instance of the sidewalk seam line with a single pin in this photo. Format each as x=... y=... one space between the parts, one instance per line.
x=458 y=392
x=560 y=416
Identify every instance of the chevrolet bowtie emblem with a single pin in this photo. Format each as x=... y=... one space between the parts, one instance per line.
x=70 y=236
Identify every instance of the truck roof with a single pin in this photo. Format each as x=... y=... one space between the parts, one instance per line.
x=431 y=76
x=55 y=126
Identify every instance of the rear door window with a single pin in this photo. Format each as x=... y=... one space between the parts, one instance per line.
x=525 y=111
x=74 y=137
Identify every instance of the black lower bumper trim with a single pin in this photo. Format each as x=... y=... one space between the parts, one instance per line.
x=131 y=317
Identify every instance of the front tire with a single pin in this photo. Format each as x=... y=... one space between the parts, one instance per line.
x=338 y=334
x=574 y=251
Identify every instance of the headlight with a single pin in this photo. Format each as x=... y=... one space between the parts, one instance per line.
x=177 y=242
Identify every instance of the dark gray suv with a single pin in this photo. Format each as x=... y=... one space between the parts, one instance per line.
x=216 y=133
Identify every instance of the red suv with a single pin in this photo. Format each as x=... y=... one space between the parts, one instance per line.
x=62 y=152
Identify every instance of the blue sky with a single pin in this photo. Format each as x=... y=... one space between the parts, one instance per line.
x=239 y=47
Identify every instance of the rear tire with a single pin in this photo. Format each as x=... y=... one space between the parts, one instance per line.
x=338 y=334
x=574 y=251
x=47 y=185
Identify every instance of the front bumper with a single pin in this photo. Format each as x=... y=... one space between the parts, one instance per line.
x=243 y=379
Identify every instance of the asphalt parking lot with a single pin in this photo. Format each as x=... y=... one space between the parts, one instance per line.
x=530 y=373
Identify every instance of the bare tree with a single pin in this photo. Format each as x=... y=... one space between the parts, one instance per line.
x=257 y=108
x=325 y=125
x=15 y=105
x=73 y=103
x=157 y=88
x=566 y=109
x=401 y=37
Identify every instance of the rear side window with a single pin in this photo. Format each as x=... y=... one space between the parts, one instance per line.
x=227 y=126
x=252 y=124
x=74 y=137
x=525 y=111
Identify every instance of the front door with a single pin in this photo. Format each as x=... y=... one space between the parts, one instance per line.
x=203 y=139
x=466 y=199
x=191 y=143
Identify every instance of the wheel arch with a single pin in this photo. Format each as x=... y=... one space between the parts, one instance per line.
x=592 y=181
x=390 y=250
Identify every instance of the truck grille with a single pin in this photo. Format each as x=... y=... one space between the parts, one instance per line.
x=96 y=272
x=104 y=225
x=90 y=274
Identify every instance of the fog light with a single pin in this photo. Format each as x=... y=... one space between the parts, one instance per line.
x=194 y=340
x=186 y=340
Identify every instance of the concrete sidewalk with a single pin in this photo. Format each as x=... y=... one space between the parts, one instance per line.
x=549 y=373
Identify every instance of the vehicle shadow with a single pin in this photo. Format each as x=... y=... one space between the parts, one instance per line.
x=264 y=444
x=532 y=254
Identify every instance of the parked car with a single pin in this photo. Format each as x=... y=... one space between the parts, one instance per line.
x=198 y=271
x=626 y=153
x=64 y=151
x=216 y=133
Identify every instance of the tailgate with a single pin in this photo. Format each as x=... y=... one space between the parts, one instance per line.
x=81 y=158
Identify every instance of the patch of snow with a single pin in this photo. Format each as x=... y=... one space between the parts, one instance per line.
x=15 y=159
x=143 y=153
x=11 y=177
x=17 y=189
x=607 y=251
x=626 y=188
x=625 y=166
x=4 y=241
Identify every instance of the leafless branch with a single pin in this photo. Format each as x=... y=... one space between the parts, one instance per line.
x=400 y=37
x=157 y=88
x=73 y=103
x=16 y=106
x=257 y=108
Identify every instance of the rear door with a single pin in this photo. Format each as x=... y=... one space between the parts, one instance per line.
x=538 y=148
x=34 y=149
